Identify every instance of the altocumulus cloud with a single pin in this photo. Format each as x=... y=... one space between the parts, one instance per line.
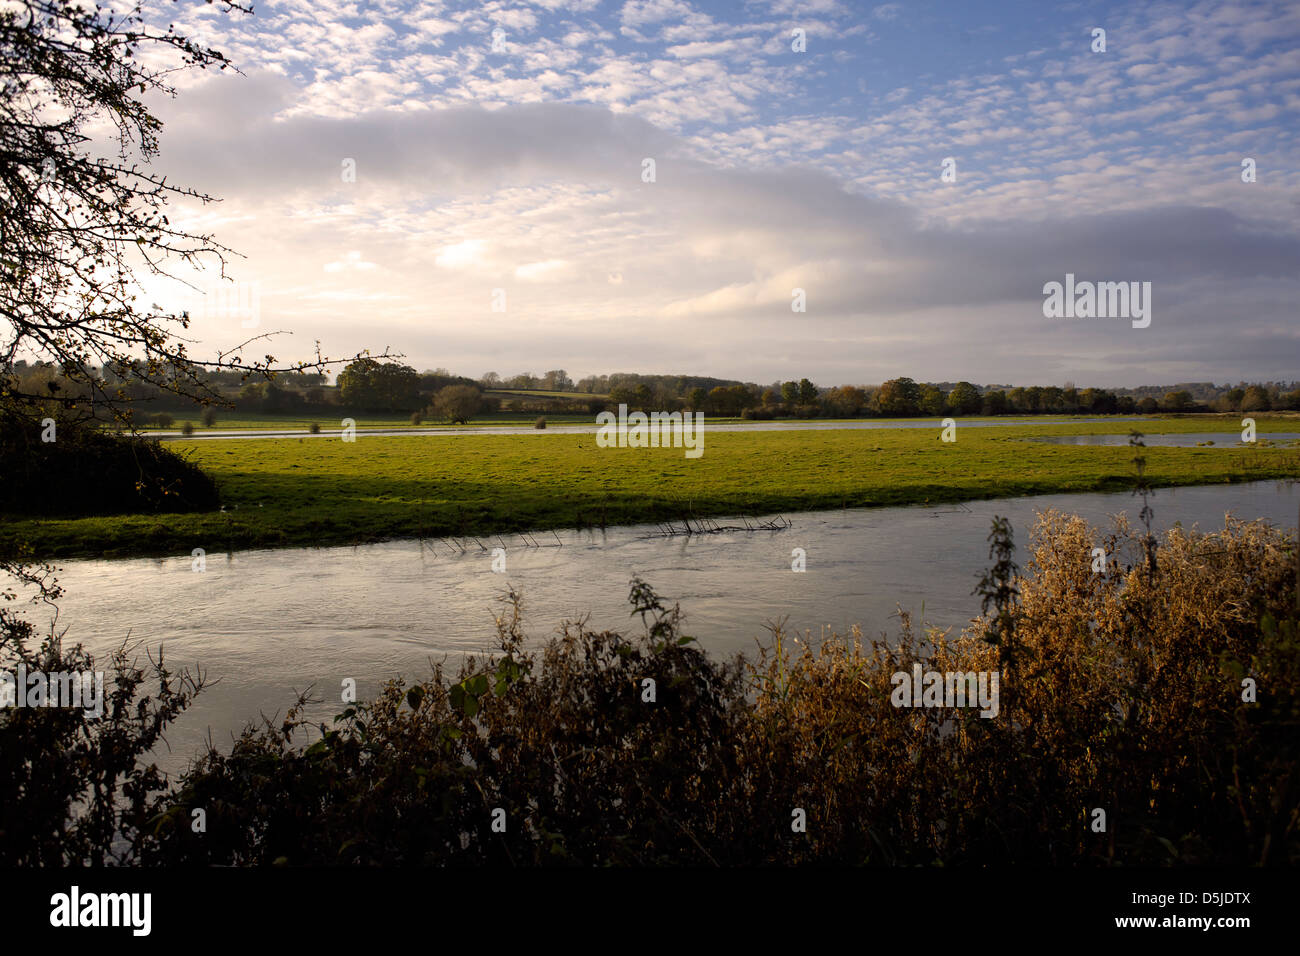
x=547 y=201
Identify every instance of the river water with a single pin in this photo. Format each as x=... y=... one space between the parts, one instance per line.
x=270 y=622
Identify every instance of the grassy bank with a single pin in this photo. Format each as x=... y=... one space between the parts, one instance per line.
x=311 y=492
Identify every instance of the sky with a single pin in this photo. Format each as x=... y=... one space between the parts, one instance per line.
x=500 y=156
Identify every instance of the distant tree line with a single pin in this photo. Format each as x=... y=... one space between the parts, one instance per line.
x=904 y=397
x=372 y=386
x=899 y=397
x=559 y=381
x=365 y=385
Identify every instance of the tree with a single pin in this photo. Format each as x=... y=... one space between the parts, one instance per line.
x=1256 y=399
x=995 y=403
x=933 y=401
x=1178 y=401
x=790 y=393
x=720 y=401
x=899 y=397
x=252 y=395
x=75 y=227
x=1230 y=401
x=458 y=403
x=379 y=386
x=807 y=392
x=623 y=395
x=273 y=398
x=428 y=383
x=557 y=380
x=1148 y=406
x=846 y=401
x=965 y=399
x=1098 y=400
x=696 y=399
x=1052 y=399
x=742 y=397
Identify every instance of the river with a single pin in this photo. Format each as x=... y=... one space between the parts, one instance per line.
x=270 y=622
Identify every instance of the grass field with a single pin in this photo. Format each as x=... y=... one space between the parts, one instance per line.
x=322 y=491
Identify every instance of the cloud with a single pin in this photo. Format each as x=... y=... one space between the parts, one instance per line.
x=352 y=262
x=549 y=271
x=638 y=13
x=477 y=171
x=461 y=255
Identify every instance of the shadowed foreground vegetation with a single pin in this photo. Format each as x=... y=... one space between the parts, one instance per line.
x=1120 y=690
x=76 y=469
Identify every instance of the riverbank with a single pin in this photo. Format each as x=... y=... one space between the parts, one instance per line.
x=299 y=493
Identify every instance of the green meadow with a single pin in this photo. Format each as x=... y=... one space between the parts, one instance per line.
x=323 y=491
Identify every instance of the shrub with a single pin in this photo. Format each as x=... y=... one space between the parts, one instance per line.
x=560 y=737
x=458 y=403
x=416 y=418
x=76 y=790
x=314 y=428
x=1124 y=693
x=209 y=417
x=540 y=423
x=130 y=474
x=187 y=428
x=163 y=420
